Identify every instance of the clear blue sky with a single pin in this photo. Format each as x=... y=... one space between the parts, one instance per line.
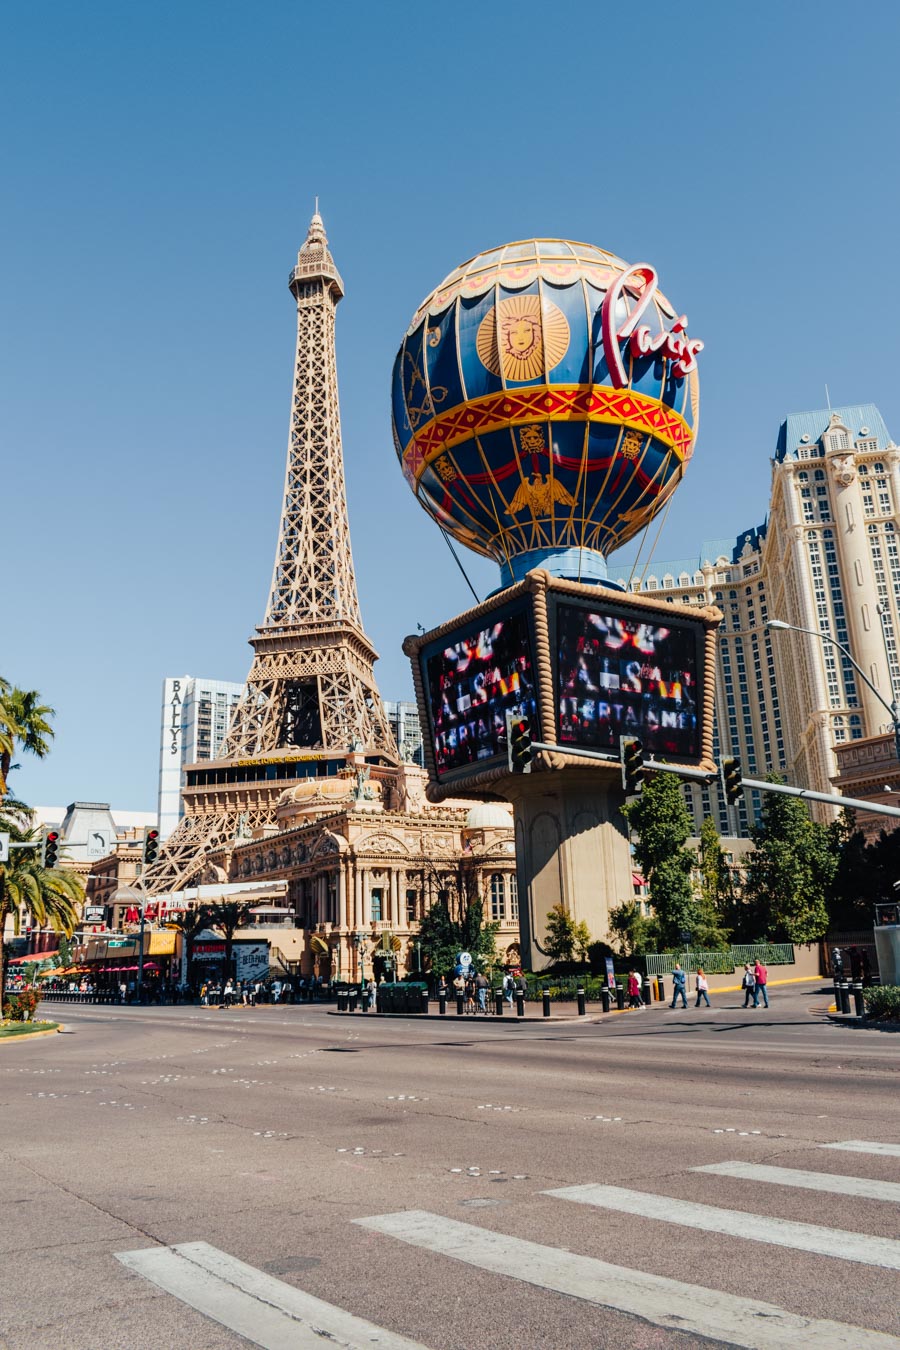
x=159 y=173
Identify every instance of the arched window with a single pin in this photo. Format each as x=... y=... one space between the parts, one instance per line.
x=497 y=906
x=513 y=896
x=819 y=475
x=803 y=476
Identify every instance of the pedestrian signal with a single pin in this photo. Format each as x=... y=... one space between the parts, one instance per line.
x=49 y=847
x=150 y=848
x=519 y=753
x=632 y=755
x=732 y=780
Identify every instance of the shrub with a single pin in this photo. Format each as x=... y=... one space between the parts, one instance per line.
x=883 y=1002
x=22 y=1007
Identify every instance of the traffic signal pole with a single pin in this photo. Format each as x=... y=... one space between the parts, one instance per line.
x=698 y=775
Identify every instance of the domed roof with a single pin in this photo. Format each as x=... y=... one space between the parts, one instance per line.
x=489 y=816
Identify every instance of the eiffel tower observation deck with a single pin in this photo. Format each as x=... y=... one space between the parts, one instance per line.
x=311 y=707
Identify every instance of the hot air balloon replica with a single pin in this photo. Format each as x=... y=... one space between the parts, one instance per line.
x=545 y=405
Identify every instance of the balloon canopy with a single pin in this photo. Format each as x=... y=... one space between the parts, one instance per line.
x=545 y=405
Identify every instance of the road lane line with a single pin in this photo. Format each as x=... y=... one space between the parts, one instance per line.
x=804 y=1237
x=866 y=1146
x=689 y=1308
x=864 y=1187
x=263 y=1310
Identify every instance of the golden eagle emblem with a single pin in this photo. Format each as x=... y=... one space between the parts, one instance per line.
x=539 y=495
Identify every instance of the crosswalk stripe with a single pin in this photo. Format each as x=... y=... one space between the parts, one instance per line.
x=866 y=1146
x=655 y=1299
x=864 y=1187
x=807 y=1237
x=263 y=1310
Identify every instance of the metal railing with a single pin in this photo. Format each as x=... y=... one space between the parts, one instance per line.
x=722 y=962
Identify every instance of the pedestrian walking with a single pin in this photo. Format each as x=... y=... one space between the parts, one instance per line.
x=679 y=986
x=748 y=984
x=459 y=986
x=634 y=991
x=470 y=995
x=702 y=988
x=204 y=995
x=837 y=963
x=373 y=995
x=482 y=985
x=508 y=989
x=228 y=996
x=761 y=976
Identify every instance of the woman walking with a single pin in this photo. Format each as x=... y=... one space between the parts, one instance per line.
x=702 y=988
x=634 y=991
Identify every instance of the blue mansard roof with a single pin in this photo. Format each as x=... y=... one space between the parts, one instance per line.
x=813 y=424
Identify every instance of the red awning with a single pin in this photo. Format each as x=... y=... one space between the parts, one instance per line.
x=637 y=879
x=34 y=959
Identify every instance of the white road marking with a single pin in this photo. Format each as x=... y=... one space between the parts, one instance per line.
x=866 y=1146
x=652 y=1298
x=804 y=1237
x=264 y=1310
x=865 y=1187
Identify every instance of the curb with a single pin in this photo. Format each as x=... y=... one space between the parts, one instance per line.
x=32 y=1035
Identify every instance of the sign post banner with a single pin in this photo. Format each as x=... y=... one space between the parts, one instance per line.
x=610 y=973
x=251 y=960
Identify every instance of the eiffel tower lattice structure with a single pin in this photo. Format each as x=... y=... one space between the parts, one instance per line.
x=310 y=697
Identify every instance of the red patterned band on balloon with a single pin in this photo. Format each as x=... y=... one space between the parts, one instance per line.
x=555 y=402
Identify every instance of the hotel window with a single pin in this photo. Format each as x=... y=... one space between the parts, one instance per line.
x=412 y=908
x=375 y=900
x=496 y=896
x=513 y=896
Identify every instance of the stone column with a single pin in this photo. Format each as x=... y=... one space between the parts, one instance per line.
x=572 y=847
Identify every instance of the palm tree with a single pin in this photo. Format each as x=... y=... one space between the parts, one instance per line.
x=189 y=922
x=24 y=723
x=51 y=896
x=227 y=916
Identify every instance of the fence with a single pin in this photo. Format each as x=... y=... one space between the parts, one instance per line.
x=721 y=962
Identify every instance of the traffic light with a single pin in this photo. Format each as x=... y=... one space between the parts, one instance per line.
x=150 y=849
x=519 y=753
x=732 y=774
x=49 y=847
x=632 y=754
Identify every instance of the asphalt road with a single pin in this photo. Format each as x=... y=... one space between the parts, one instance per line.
x=401 y=1172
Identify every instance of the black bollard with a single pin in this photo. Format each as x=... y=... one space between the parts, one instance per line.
x=660 y=989
x=858 y=1000
x=520 y=1005
x=620 y=997
x=647 y=991
x=604 y=998
x=442 y=1000
x=498 y=1003
x=460 y=1004
x=341 y=999
x=582 y=1007
x=545 y=996
x=837 y=994
x=423 y=1001
x=845 y=997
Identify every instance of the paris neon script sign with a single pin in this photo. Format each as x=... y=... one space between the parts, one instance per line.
x=674 y=343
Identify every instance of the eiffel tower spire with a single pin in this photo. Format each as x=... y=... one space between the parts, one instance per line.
x=312 y=684
x=311 y=700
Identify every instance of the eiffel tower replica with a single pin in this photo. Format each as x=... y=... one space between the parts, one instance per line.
x=311 y=701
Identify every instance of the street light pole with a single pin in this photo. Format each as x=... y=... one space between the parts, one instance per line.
x=893 y=708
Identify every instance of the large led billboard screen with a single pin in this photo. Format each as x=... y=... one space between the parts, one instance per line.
x=472 y=678
x=627 y=673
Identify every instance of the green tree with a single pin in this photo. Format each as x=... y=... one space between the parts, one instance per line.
x=715 y=901
x=456 y=923
x=51 y=895
x=559 y=939
x=634 y=931
x=583 y=940
x=793 y=864
x=227 y=916
x=662 y=825
x=24 y=725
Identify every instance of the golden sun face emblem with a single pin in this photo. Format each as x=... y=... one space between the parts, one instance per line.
x=522 y=337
